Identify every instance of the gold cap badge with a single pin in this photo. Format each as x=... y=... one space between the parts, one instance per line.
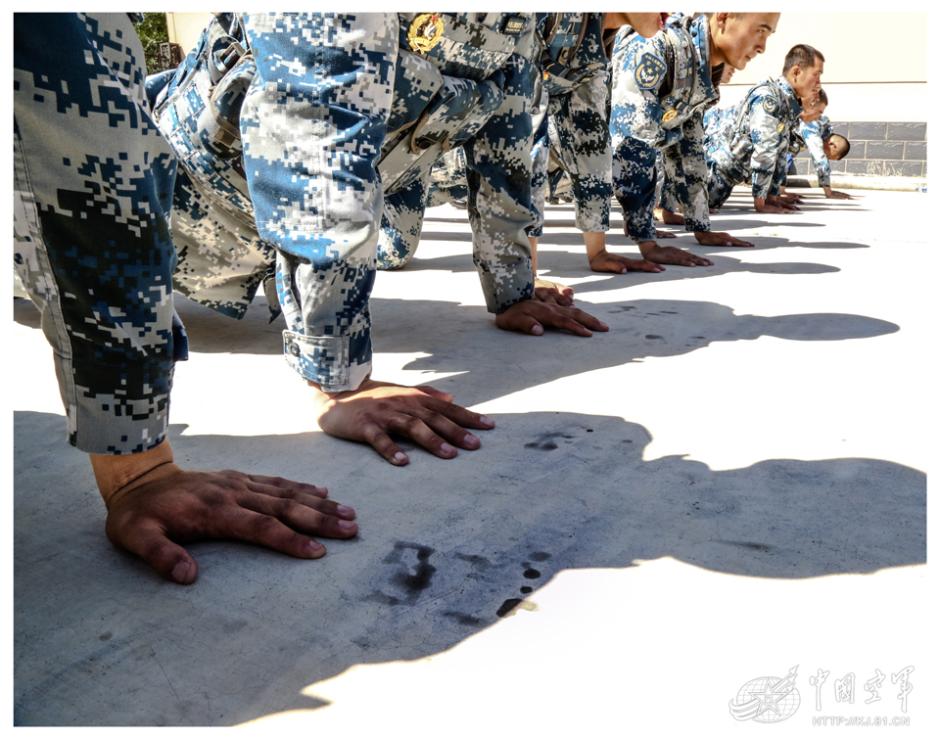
x=669 y=115
x=426 y=32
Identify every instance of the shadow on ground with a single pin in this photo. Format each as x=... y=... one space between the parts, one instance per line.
x=447 y=548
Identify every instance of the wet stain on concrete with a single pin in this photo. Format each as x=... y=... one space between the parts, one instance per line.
x=622 y=308
x=525 y=590
x=546 y=441
x=531 y=574
x=511 y=605
x=476 y=560
x=752 y=545
x=464 y=619
x=105 y=636
x=410 y=578
x=653 y=337
x=540 y=556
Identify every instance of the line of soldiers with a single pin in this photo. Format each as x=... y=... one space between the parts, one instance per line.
x=298 y=151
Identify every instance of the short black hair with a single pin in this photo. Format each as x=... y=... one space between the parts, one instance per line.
x=802 y=56
x=823 y=97
x=842 y=142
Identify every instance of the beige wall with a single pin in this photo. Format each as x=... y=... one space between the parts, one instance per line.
x=184 y=28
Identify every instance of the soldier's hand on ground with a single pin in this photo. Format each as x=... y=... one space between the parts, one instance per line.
x=533 y=316
x=553 y=292
x=158 y=511
x=781 y=203
x=604 y=261
x=719 y=238
x=653 y=252
x=766 y=206
x=836 y=195
x=377 y=410
x=790 y=197
x=660 y=234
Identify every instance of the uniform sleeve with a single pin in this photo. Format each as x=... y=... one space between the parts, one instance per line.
x=92 y=187
x=312 y=124
x=635 y=132
x=817 y=150
x=769 y=135
x=499 y=202
x=780 y=172
x=541 y=146
x=584 y=140
x=688 y=169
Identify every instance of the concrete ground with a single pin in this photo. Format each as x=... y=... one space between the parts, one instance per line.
x=669 y=520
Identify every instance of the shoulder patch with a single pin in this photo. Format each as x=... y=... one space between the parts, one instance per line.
x=770 y=105
x=650 y=71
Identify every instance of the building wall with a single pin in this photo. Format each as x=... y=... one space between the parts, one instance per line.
x=184 y=28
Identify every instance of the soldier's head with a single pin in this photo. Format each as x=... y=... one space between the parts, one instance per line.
x=645 y=24
x=836 y=147
x=803 y=67
x=736 y=38
x=814 y=110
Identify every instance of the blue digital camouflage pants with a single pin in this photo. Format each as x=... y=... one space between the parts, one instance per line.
x=93 y=182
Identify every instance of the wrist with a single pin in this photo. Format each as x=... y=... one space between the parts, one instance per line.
x=646 y=247
x=117 y=473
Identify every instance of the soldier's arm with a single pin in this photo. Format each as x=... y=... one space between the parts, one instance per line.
x=692 y=168
x=767 y=132
x=584 y=137
x=817 y=150
x=499 y=172
x=766 y=136
x=312 y=125
x=636 y=130
x=780 y=172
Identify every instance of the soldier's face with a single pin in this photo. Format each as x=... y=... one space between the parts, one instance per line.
x=806 y=81
x=742 y=36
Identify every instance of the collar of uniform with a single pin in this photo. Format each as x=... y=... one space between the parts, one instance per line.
x=793 y=102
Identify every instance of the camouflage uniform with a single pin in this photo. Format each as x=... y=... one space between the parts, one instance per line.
x=93 y=181
x=279 y=149
x=569 y=119
x=660 y=90
x=753 y=139
x=813 y=135
x=474 y=90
